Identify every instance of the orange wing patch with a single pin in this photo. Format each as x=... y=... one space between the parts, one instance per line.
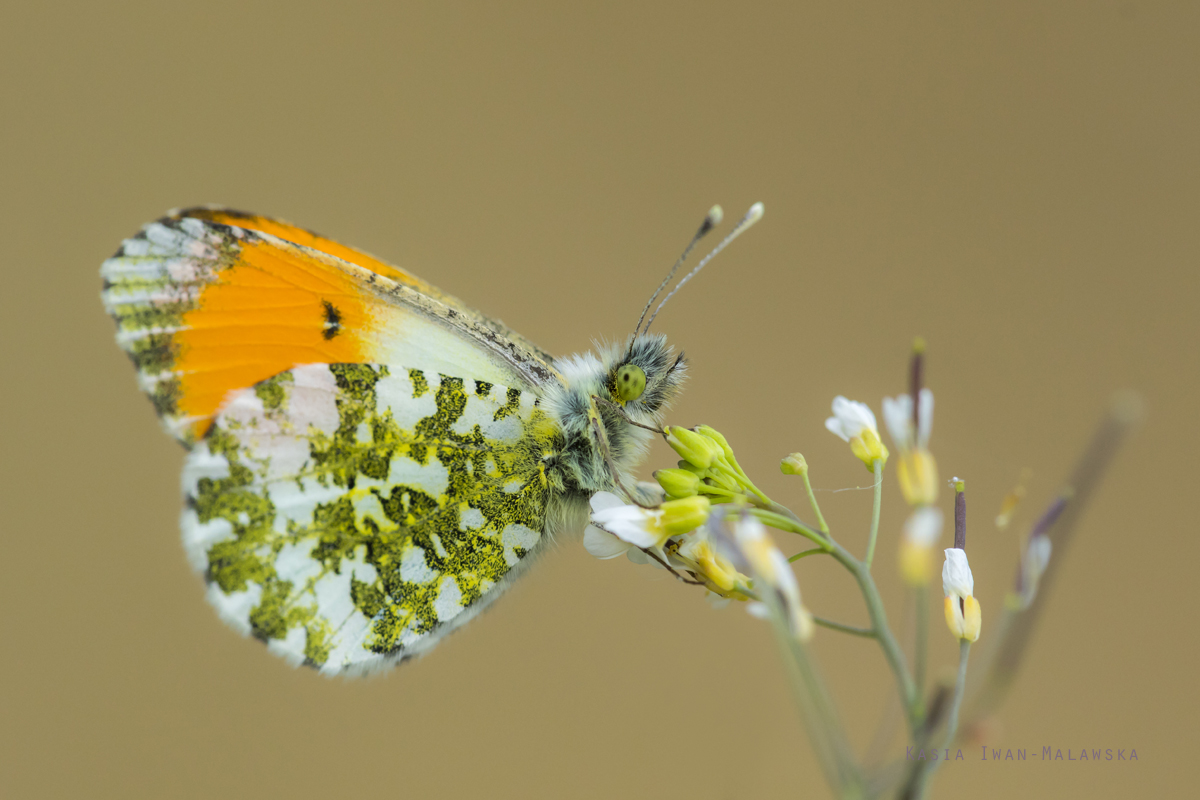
x=204 y=308
x=305 y=238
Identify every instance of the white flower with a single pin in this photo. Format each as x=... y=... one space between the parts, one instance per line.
x=771 y=568
x=956 y=574
x=922 y=530
x=616 y=527
x=603 y=544
x=963 y=615
x=1038 y=554
x=898 y=414
x=850 y=418
x=916 y=470
x=924 y=527
x=854 y=422
x=1033 y=564
x=700 y=555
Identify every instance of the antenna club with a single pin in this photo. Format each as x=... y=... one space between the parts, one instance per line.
x=715 y=215
x=753 y=215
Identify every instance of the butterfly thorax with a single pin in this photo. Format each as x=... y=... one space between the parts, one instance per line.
x=600 y=419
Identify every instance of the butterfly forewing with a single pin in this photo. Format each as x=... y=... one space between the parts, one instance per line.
x=209 y=301
x=351 y=514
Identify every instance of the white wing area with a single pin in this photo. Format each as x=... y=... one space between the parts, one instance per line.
x=349 y=515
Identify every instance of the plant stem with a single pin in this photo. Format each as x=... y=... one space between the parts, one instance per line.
x=811 y=552
x=883 y=634
x=837 y=626
x=922 y=644
x=785 y=519
x=736 y=472
x=812 y=499
x=878 y=470
x=784 y=523
x=816 y=710
x=964 y=651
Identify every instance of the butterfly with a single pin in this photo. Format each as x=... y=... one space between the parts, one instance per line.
x=370 y=461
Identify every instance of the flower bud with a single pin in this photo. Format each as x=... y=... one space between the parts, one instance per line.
x=695 y=448
x=963 y=615
x=712 y=433
x=794 y=465
x=684 y=515
x=678 y=482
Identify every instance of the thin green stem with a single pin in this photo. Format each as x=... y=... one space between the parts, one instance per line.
x=920 y=650
x=838 y=626
x=883 y=634
x=816 y=710
x=811 y=552
x=717 y=490
x=785 y=519
x=964 y=651
x=878 y=470
x=783 y=523
x=812 y=499
x=735 y=471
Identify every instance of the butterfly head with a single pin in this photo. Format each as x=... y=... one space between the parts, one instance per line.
x=607 y=406
x=644 y=375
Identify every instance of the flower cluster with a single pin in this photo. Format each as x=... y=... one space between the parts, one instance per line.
x=705 y=519
x=909 y=419
x=726 y=550
x=705 y=522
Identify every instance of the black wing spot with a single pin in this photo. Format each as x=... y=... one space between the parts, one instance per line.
x=333 y=320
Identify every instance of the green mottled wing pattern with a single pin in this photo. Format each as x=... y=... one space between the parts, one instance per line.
x=351 y=514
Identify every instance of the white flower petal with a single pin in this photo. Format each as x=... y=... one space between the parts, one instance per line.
x=850 y=418
x=897 y=415
x=925 y=423
x=1039 y=553
x=604 y=500
x=956 y=574
x=652 y=493
x=834 y=426
x=716 y=601
x=630 y=523
x=638 y=557
x=924 y=526
x=757 y=609
x=782 y=577
x=603 y=544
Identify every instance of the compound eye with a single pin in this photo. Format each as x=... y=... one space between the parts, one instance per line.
x=631 y=382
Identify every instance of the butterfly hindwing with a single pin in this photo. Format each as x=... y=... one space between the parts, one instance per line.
x=209 y=301
x=349 y=514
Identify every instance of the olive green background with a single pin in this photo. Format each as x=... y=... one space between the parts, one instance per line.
x=1017 y=182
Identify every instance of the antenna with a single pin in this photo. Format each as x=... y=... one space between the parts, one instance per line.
x=711 y=220
x=752 y=216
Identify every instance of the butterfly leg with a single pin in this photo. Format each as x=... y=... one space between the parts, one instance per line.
x=600 y=442
x=625 y=415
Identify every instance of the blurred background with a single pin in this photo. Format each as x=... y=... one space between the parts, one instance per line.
x=1017 y=184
